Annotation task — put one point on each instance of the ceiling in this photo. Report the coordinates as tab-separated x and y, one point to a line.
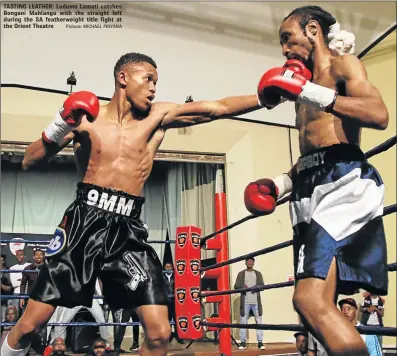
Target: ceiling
258	22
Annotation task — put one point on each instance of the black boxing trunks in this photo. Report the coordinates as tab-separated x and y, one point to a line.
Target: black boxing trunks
101	235
336	211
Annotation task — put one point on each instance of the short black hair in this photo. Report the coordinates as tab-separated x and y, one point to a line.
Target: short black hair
305	14
132	57
99	339
37	250
4	256
249	258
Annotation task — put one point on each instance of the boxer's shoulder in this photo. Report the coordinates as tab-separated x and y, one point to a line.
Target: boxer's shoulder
344	67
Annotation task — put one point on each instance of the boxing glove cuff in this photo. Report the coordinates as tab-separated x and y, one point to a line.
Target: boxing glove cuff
283	184
316	95
57	130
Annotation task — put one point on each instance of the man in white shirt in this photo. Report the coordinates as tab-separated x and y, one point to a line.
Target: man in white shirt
373	309
16	278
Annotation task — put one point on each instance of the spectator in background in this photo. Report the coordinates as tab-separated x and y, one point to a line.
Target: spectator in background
57	348
16	278
314	348
373	310
6	286
250	301
170	285
11	316
29	278
99	349
301	342
348	307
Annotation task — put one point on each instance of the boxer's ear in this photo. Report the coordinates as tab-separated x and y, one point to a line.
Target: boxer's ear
122	79
312	28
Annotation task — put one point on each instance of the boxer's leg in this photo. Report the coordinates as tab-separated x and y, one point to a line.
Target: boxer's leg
314	300
154	319
33	320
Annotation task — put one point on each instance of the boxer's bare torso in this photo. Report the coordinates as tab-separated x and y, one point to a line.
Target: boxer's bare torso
119	155
319	129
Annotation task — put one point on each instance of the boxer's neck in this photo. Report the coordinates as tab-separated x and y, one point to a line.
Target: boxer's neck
120	109
321	60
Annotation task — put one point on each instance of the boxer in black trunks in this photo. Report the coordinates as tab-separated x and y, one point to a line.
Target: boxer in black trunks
101	234
336	195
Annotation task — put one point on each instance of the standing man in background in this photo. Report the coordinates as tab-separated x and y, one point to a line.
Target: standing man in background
373	309
29	278
16	278
250	302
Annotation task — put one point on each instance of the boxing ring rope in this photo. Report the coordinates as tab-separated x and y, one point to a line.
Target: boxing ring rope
367	330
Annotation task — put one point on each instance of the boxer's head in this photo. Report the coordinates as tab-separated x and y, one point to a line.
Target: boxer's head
303	30
136	74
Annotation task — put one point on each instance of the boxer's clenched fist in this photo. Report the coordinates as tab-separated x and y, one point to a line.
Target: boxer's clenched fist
78	104
270	95
260	197
70	114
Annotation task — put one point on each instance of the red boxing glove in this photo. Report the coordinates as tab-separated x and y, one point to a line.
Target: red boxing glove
69	116
260	197
285	82
78	104
299	68
270	98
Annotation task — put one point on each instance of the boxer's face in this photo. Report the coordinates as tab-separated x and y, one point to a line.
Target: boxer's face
294	43
140	81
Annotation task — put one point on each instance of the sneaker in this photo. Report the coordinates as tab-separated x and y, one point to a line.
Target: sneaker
134	347
261	346
242	346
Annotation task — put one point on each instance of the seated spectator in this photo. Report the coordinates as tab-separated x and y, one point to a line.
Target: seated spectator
57	348
6	286
348	307
11	317
99	348
373	309
301	342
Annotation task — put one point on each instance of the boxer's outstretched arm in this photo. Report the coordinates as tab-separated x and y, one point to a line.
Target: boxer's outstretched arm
205	111
38	150
364	103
